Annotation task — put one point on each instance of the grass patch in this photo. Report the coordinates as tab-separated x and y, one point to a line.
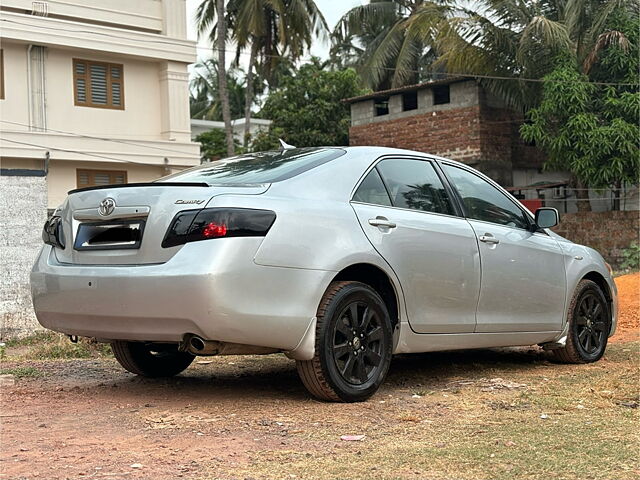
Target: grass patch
54	346
21	372
34	339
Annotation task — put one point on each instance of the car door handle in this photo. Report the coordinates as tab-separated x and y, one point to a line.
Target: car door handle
488	238
381	222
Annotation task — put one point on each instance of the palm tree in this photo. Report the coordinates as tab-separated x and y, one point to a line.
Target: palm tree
271	30
396	39
522	40
211	16
204	101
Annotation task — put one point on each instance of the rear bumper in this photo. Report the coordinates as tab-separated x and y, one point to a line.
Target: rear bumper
215	291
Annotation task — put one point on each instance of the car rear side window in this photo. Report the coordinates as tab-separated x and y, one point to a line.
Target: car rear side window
372	190
482	201
414	184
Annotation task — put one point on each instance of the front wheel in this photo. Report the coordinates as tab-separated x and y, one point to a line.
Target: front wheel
589	320
151	359
353	345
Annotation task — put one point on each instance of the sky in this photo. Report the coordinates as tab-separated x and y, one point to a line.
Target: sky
331	9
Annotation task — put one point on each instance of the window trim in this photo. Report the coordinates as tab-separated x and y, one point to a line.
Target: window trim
1	74
93	171
458	213
525	213
87	79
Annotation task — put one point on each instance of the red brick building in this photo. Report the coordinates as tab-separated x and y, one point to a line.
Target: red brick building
454	118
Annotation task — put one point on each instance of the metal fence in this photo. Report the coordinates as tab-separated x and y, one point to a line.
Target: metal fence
566	200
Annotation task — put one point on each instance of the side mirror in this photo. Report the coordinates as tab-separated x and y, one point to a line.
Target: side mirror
547	217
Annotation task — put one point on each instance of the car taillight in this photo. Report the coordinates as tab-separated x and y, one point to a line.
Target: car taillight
52	232
195	225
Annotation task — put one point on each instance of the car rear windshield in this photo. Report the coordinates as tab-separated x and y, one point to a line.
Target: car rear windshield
263	167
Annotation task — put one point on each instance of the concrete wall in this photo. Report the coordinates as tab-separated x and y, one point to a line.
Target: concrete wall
607	232
23	211
462	95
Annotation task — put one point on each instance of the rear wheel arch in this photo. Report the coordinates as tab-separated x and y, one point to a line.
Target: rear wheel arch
377	279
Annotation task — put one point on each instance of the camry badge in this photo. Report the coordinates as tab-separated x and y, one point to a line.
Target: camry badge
107	206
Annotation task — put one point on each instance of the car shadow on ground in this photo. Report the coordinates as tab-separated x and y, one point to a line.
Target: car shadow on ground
275	377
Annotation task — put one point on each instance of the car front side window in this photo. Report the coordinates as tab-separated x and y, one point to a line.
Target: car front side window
482	201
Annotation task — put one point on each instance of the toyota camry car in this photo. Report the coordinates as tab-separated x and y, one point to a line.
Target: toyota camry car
337	257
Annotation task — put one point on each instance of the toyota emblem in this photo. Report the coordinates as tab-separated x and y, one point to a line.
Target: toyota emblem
107	206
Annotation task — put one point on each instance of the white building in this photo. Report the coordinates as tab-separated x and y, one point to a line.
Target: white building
99	88
256	125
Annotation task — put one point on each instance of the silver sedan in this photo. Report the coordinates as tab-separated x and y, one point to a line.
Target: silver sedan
338	257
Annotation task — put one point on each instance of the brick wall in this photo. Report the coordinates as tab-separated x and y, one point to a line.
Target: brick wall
23	211
453	133
607	232
479	136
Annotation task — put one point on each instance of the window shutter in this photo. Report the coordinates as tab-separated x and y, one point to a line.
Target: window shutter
80	75
98	84
83	178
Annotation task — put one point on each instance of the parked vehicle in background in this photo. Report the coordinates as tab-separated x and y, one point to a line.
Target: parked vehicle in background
338	257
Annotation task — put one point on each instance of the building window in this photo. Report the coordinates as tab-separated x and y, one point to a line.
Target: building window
98	84
381	106
1	74
97	178
441	94
409	101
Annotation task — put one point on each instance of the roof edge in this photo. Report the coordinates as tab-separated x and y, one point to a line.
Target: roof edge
408	88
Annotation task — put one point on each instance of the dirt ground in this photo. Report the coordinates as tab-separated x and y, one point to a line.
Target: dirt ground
499	414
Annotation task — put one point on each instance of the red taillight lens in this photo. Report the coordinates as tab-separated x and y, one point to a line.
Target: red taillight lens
214	230
195	225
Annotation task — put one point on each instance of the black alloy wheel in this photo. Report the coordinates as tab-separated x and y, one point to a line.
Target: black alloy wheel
589	318
358	343
590	323
353	344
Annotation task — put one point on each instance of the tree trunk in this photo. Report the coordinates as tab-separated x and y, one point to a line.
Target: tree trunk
222	76
582	196
249	91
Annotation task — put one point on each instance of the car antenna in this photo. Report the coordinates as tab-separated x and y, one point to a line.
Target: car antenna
285	146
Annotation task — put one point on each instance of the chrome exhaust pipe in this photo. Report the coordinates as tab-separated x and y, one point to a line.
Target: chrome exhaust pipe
196	345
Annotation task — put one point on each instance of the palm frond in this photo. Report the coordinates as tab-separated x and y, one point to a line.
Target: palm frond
605	40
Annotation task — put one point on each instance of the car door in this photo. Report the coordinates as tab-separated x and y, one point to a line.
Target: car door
408	215
523	283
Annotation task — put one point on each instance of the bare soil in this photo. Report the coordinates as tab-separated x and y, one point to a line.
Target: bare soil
499	414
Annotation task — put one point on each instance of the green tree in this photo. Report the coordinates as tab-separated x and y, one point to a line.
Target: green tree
213	145
390	42
521	40
588	125
307	109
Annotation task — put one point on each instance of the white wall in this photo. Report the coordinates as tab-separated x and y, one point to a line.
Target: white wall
141	117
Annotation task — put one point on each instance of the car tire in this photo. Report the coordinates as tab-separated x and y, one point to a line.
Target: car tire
151	359
353	344
589	318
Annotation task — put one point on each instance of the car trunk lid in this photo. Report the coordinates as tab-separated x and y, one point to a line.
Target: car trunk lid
125	224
